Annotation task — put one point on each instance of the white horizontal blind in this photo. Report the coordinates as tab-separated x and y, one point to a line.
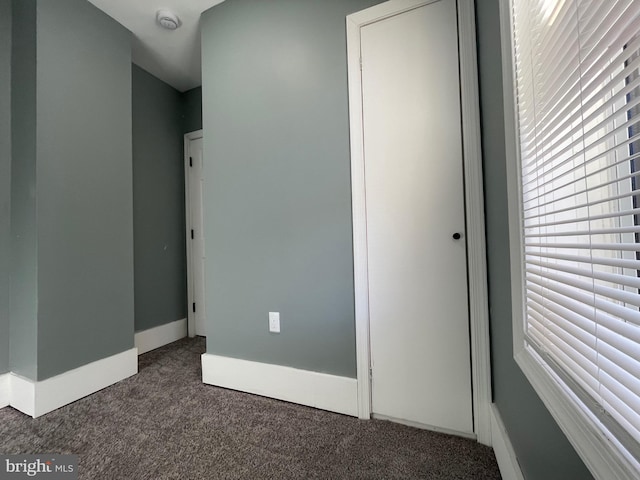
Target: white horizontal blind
578	99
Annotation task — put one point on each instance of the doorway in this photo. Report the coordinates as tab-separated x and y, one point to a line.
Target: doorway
194	179
422	337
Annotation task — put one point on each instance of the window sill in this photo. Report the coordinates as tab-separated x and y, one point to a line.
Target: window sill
600	456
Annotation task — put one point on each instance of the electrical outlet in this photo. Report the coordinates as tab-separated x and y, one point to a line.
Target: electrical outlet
274	322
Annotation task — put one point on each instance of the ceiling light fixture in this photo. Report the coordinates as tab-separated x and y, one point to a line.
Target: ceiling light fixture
167	19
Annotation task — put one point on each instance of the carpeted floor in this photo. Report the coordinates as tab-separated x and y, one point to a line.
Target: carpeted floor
164	423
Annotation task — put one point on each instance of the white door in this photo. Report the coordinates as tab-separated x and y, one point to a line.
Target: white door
419	324
195	233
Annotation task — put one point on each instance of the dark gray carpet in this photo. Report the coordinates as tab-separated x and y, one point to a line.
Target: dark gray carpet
164	423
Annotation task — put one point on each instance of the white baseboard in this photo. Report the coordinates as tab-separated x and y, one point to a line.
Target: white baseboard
319	390
502	448
38	398
156	337
4	389
22	394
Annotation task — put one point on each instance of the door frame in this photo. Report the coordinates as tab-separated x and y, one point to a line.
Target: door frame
473	200
191	319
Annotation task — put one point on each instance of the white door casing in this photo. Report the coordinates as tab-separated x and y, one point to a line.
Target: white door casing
473	198
194	179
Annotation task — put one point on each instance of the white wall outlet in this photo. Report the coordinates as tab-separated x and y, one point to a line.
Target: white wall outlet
274	322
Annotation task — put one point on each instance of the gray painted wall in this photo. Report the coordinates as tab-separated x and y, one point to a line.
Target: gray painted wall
192	110
5	178
84	170
542	449
72	229
277	182
23	284
158	202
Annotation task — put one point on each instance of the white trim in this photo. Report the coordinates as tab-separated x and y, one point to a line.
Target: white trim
156	337
382	11
474	203
4	389
502	448
513	175
314	389
191	321
475	231
358	204
22	394
38	398
596	451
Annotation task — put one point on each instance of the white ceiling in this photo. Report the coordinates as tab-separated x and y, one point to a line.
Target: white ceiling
172	56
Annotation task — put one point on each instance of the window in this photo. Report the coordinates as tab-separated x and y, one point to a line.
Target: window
573	82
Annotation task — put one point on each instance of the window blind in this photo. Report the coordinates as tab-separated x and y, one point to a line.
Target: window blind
578	107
